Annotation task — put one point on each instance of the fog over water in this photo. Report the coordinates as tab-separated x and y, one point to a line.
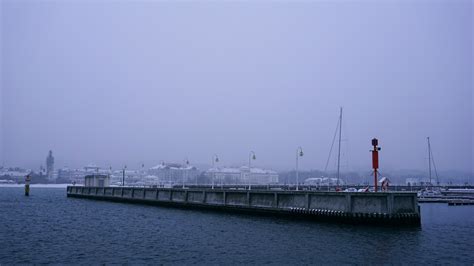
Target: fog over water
121	82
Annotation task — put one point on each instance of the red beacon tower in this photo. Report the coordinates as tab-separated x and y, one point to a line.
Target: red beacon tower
375	160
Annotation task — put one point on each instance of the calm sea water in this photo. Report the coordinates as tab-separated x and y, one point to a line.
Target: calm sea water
48	227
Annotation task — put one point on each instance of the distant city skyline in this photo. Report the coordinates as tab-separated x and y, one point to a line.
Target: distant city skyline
115	83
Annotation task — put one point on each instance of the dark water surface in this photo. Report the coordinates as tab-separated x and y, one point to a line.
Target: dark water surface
48	227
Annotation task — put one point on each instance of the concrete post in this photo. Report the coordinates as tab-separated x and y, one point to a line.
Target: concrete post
275	200
308	199
416	206
390	203
225	198
248	198
133	192
348	203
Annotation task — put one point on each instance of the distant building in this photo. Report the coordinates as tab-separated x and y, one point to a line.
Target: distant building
67	175
225	176
323	181
96	181
91	168
242	175
174	173
16	173
50	165
123	175
413	181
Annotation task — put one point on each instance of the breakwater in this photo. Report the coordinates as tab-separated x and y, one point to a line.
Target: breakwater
382	208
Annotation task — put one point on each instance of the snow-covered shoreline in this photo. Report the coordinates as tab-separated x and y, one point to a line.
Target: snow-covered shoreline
37	185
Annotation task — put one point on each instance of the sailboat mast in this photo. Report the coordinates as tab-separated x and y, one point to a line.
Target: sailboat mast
339	148
429	157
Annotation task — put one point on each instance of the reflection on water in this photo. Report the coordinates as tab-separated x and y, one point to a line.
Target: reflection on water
48	227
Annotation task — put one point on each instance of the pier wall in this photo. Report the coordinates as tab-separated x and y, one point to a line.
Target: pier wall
355	207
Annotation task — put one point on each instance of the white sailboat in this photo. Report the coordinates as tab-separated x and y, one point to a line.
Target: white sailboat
430	191
338	131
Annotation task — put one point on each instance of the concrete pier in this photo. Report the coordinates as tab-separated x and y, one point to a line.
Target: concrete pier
382	208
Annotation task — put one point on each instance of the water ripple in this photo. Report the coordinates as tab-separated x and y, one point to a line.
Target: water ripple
48	227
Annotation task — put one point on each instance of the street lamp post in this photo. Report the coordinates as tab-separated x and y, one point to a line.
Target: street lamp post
215	159
299	153
196	177
251	157
123	175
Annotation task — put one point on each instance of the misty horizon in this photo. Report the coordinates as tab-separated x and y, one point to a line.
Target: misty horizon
119	83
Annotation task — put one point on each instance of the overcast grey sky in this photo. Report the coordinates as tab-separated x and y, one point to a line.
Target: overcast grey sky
122	82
